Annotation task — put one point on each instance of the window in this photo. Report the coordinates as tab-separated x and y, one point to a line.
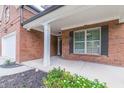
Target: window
79	39
6	15
87	41
93	41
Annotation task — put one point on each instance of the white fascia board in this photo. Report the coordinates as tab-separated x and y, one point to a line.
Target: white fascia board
31	10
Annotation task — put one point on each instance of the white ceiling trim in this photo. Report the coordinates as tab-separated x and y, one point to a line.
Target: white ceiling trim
43	31
121	15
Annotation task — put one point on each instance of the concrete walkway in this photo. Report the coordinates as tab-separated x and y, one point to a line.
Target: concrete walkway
10	71
112	75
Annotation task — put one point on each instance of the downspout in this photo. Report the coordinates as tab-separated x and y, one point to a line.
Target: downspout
21	14
18	33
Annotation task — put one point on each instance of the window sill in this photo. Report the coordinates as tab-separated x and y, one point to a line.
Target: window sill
97	55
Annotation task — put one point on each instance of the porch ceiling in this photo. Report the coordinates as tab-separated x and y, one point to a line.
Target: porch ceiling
80	15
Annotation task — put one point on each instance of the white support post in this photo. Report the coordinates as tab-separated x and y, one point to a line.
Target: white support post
46	59
58	49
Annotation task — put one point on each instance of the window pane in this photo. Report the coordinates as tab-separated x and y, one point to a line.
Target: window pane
79	47
79	36
93	47
96	47
89	47
93	34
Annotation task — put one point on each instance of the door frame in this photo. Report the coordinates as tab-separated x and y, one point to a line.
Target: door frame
59	38
3	38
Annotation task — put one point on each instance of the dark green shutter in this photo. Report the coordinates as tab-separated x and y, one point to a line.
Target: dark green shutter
104	40
71	42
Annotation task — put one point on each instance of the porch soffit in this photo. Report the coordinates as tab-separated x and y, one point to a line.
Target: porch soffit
80	16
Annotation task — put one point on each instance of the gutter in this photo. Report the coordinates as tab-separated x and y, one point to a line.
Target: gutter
21	14
34	8
48	10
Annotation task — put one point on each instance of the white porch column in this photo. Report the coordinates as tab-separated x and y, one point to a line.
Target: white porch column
58	49
46	59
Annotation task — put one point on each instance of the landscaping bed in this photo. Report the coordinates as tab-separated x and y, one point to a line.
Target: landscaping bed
59	78
12	65
26	79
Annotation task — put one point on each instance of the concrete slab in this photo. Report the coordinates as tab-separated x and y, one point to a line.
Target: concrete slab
10	71
112	75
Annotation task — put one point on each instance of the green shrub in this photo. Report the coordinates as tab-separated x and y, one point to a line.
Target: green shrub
7	62
59	78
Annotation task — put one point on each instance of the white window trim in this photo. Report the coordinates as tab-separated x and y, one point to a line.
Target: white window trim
85	42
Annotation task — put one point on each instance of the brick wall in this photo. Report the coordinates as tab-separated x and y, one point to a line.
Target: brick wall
13	25
29	45
53	45
116	45
32	45
27	14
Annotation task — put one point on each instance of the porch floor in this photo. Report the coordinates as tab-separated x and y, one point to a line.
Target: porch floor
112	75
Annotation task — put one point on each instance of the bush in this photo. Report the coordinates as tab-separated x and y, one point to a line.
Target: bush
7	62
59	78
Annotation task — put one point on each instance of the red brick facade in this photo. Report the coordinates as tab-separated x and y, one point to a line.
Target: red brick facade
32	45
13	24
115	50
29	45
